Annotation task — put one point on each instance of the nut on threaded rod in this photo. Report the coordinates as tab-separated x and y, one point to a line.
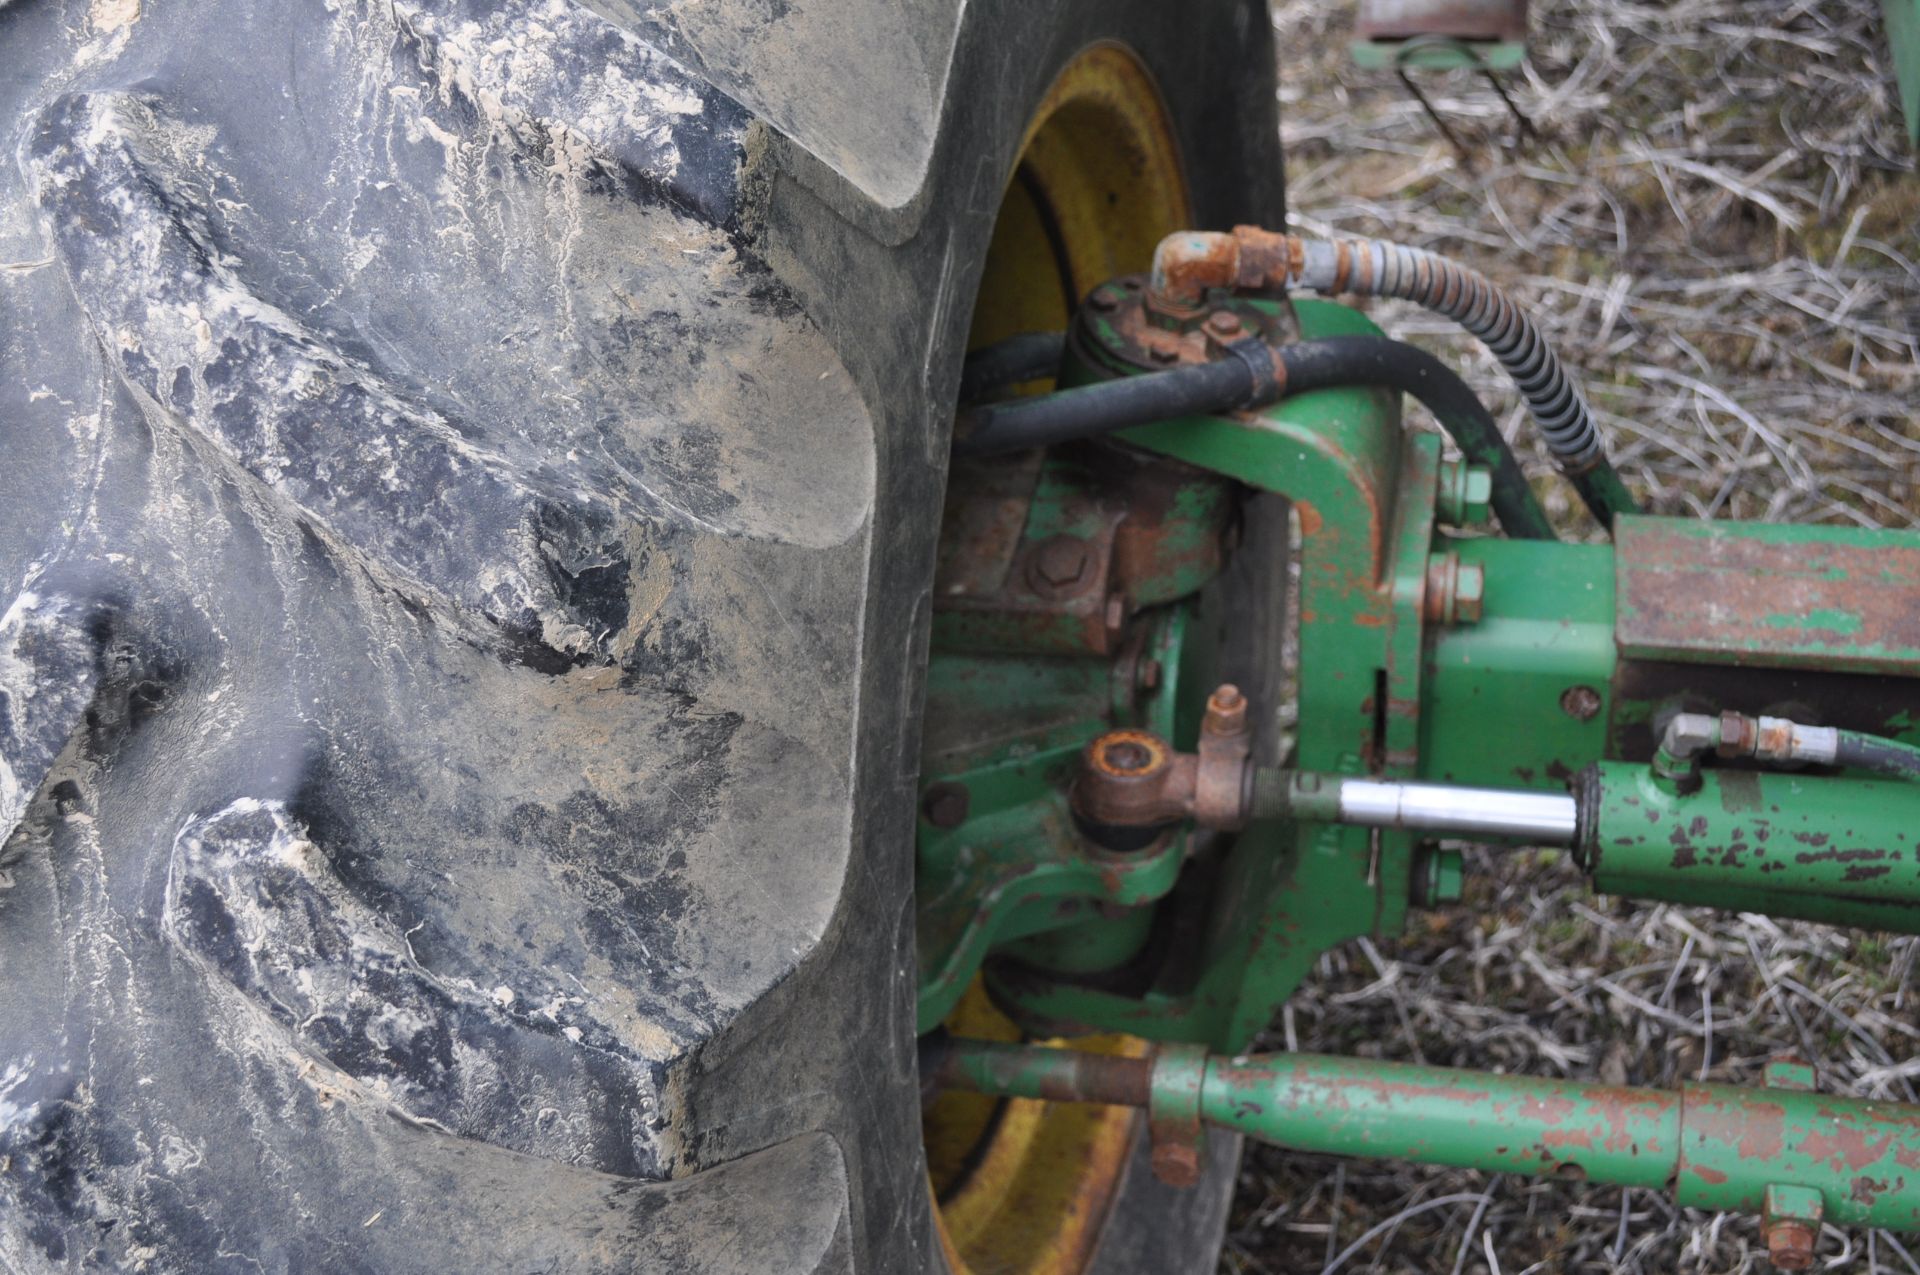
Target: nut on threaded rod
1226	711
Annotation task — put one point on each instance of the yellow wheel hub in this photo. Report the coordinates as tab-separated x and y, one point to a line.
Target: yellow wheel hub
1023	1187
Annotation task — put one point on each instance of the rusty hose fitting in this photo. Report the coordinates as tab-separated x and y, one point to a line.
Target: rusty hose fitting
1775	741
1188	263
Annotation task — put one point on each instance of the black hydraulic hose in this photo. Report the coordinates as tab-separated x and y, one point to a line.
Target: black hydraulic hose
1873	752
1196	389
1227	384
1341	361
1030	356
1187	263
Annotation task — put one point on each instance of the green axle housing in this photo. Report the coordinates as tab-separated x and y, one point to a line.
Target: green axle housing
1105	585
1100	586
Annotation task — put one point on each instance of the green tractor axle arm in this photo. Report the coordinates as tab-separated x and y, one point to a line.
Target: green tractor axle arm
1800	1156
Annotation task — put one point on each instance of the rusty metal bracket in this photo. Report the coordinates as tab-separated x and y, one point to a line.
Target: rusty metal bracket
1173	1114
1132	783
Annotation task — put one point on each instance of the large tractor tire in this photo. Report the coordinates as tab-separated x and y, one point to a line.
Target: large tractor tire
472	470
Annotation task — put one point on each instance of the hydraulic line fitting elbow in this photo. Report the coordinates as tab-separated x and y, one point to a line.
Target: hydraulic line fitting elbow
1773	741
1188	263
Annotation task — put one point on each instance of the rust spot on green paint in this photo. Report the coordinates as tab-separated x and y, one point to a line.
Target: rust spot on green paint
1866	1190
1846	1148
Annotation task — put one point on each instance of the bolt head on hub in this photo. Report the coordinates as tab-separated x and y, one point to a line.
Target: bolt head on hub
1059	563
1224	324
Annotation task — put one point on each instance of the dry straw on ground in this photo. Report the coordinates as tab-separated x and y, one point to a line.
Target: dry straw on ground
1720	228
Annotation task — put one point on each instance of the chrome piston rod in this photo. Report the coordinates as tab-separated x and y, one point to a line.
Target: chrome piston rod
1541	817
1486	812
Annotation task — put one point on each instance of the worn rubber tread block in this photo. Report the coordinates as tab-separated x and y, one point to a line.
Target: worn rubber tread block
50	663
519	521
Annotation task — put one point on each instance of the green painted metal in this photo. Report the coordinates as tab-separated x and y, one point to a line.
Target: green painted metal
1439	1115
1527	686
1491	55
1903	38
1364	492
1421	654
1840	850
1153	538
1015	873
1004	736
1839	599
1465	496
1715	1147
1440	876
1537	668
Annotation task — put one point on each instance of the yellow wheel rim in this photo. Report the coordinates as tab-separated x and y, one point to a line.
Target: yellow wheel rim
1099	184
1024	1187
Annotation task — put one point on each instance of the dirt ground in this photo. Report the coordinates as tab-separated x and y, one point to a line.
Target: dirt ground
1719	227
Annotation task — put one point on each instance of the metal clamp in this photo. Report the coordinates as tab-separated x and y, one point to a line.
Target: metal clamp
1173	1114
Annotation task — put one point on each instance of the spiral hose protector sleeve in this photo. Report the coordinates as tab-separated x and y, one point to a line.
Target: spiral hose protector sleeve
1882	756
1375	360
1374	267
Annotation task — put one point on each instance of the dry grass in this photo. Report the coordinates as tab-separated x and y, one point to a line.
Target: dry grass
1720	230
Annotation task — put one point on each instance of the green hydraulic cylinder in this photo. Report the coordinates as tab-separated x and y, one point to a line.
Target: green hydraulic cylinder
1837	850
1712	1146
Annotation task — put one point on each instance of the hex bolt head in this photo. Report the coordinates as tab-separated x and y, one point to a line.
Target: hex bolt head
1059	563
1791	1224
1456	590
1103	300
1465	495
1177	1164
1226	711
1478	496
1790	1245
1224	324
1469	593
1441	570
